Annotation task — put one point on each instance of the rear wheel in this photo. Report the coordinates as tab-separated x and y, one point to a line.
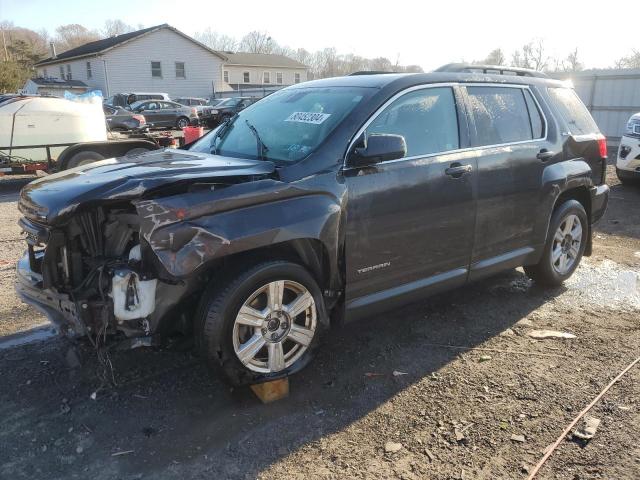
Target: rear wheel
566	241
182	122
83	158
261	324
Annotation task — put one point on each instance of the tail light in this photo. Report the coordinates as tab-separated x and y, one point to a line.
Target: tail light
140	119
602	146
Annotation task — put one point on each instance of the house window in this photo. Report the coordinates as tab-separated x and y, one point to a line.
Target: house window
69	76
245	77
61	72
225	76
156	70
266	77
297	78
180	70
89	73
279	78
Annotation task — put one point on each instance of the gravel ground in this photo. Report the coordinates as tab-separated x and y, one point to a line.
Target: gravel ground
456	413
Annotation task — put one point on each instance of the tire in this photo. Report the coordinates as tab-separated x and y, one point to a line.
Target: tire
554	268
136	151
83	158
182	122
283	344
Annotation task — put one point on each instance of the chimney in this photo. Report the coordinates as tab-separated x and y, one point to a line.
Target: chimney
53	50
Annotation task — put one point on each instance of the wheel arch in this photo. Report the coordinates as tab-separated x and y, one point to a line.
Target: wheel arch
108	149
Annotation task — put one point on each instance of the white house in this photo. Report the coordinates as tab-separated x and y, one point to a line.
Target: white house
253	70
163	59
156	59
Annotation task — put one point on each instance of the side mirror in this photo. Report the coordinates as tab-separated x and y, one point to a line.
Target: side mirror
378	147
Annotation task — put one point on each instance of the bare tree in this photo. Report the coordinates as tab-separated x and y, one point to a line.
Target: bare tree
257	42
217	41
73	35
571	63
539	57
630	61
495	57
115	27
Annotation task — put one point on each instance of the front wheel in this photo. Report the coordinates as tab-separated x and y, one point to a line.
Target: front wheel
262	324
563	250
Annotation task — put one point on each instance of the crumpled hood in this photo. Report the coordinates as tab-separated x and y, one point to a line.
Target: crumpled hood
51	198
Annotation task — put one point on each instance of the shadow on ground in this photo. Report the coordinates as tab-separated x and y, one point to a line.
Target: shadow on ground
169	418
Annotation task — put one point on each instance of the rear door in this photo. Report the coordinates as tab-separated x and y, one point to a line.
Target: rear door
509	133
410	221
152	113
169	113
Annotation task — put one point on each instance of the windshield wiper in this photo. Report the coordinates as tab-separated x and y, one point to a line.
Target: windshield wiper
224	126
262	148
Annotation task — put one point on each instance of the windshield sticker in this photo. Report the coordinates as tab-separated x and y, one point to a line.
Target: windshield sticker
308	117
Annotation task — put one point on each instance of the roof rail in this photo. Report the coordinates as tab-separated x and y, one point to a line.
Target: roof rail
368	72
491	69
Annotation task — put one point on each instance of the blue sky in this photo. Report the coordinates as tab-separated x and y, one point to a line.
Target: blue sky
427	33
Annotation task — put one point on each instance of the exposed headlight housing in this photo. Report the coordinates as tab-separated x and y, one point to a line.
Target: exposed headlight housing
633	127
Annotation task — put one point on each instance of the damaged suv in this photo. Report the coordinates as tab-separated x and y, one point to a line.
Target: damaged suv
329	200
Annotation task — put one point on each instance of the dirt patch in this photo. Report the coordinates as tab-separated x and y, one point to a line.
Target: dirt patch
473	396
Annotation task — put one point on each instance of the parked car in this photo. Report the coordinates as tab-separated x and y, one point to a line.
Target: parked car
327	201
166	114
125	99
200	104
228	107
628	160
119	119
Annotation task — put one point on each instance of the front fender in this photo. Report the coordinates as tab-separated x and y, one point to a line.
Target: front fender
184	246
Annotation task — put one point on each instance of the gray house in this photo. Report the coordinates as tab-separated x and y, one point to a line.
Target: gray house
163	59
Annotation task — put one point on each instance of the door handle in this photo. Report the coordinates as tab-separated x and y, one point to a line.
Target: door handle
457	170
545	154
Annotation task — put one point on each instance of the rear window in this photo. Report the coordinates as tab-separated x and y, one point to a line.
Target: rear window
501	115
573	111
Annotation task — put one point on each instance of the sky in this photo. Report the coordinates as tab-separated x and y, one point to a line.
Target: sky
429	34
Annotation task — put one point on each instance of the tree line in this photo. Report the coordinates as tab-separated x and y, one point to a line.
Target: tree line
21	48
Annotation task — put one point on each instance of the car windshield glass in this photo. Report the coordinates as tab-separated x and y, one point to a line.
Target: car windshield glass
291	124
135	105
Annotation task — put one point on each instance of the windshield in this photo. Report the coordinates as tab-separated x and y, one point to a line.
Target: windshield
135	105
290	124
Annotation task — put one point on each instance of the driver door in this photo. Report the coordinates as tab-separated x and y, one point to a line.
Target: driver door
410	222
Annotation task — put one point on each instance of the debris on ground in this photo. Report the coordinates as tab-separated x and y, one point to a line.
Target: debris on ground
397	373
392	447
587	429
518	438
542	334
484	358
373	374
124	452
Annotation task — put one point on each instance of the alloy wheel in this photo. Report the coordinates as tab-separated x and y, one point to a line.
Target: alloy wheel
565	248
275	326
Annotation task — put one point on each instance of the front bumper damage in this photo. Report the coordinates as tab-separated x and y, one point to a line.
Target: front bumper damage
58	308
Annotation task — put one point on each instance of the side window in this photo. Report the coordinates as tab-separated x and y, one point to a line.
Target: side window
425	118
537	122
573	111
500	115
151	106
